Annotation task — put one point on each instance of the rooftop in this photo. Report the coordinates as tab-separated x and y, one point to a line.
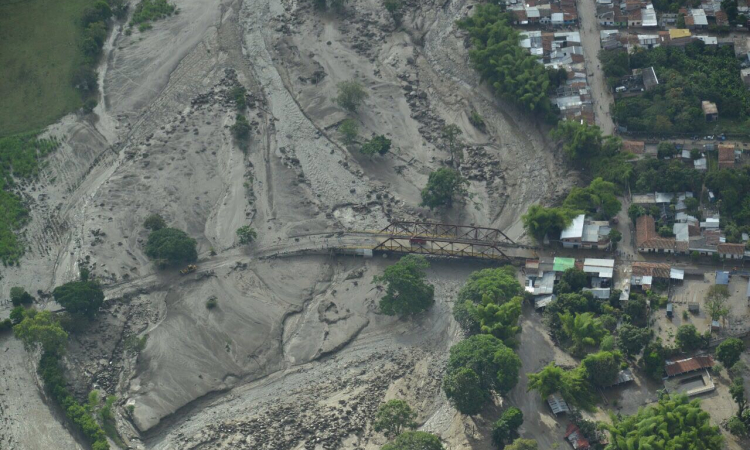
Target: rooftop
674	368
575	229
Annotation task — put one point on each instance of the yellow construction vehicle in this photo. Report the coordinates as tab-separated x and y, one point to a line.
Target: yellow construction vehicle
189	269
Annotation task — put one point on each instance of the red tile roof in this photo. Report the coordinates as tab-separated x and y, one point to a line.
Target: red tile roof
646	236
575	437
646	269
674	368
726	155
731	249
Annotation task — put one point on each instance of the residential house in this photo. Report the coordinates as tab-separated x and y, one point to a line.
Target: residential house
644	274
576	438
679	367
710	111
584	233
726	156
731	251
648	240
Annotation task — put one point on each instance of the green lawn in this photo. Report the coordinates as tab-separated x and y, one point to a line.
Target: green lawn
38	54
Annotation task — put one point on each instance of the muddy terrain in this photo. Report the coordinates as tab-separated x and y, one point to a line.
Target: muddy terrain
295	355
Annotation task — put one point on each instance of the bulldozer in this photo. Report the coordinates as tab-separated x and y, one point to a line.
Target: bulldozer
189	269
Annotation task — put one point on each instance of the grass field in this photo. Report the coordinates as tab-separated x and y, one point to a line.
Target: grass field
40	51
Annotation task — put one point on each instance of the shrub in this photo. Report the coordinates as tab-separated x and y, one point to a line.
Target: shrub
477	120
378	144
212	303
246	234
349	131
239	95
350	96
151	10
154	222
19	296
241	128
393	417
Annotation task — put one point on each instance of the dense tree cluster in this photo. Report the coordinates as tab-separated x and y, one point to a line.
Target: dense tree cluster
82	298
407	293
655	175
673	423
170	245
572	385
414	440
514	73
686	77
478	367
490	303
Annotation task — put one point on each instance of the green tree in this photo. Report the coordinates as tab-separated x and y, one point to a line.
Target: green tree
407	293
514	74
673	423
729	351
737	427
636	211
653	358
666	150
491	286
377	145
349	130
442	187
580	140
414	440
572	385
19	296
82	298
716	301
17	314
465	391
246	234
523	444
602	368
489	302
687	338
170	245
239	95
540	221
572	281
495	366
39	329
500	321
632	339
615	236
583	330
393	417
451	134
681	21
154	222
505	429
636	309
351	94
241	128
599	198
737	391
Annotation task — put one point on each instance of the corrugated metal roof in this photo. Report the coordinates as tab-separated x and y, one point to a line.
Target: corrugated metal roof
722	277
563	264
674	368
557	404
575	230
677	274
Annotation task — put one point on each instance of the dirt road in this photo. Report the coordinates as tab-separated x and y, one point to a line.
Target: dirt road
602	96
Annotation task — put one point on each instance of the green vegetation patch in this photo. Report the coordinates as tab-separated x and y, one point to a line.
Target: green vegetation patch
150	10
40	53
20	158
685	79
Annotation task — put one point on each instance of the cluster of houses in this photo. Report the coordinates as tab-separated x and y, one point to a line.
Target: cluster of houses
563	50
550	13
689	235
541	276
641	14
